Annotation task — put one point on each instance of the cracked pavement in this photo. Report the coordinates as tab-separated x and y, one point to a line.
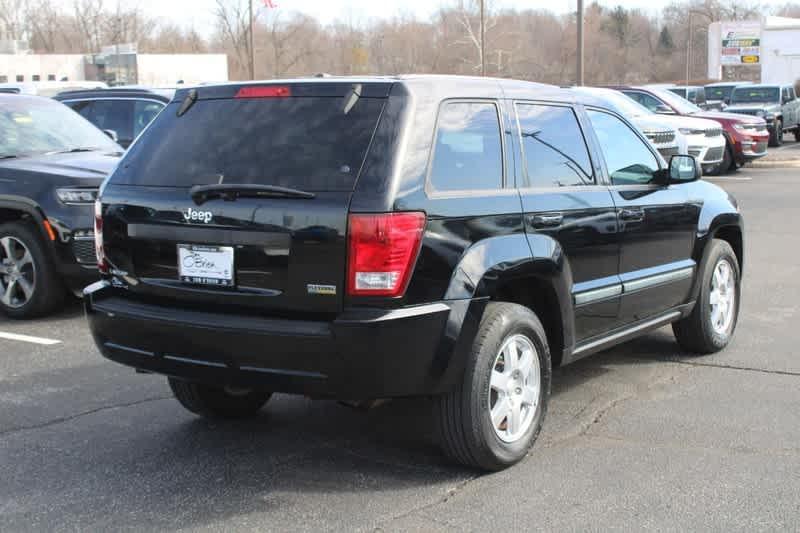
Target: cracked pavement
638	437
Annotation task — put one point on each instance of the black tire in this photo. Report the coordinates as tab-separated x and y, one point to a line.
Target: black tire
40	274
728	161
216	402
776	139
695	333
797	134
466	432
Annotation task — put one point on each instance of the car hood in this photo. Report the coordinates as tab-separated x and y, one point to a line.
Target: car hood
680	121
735	111
653	123
79	165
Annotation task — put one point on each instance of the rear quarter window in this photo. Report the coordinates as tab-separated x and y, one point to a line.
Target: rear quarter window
468	153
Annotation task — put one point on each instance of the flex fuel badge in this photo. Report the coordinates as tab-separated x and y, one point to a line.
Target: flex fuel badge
324	290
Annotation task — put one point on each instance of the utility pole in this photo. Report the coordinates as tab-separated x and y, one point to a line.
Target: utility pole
580	44
483	38
689	49
252	42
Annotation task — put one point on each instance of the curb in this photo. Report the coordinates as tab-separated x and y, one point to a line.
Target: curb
785	163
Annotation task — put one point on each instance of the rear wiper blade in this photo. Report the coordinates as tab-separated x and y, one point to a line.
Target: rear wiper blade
9	156
231	191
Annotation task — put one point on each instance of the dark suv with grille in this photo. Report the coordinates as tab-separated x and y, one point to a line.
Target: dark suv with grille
390	237
52	163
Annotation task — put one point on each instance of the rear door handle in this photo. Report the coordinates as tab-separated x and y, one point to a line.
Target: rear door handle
547	221
632	215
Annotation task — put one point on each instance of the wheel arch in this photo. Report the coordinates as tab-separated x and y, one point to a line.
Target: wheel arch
13	209
504	268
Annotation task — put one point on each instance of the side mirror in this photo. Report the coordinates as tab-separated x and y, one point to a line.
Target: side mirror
664	110
683	169
111	135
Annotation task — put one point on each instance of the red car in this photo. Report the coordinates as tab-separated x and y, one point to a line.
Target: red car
746	136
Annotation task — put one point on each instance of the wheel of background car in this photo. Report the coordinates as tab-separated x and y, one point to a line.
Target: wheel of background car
29	285
710	326
494	415
797	135
777	139
218	402
728	163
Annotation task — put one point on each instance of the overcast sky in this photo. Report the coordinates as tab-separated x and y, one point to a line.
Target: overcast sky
199	13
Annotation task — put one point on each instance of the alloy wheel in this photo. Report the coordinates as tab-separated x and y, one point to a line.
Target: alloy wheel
514	388
722	298
17	273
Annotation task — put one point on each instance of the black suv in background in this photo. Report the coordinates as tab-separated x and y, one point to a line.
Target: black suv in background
123	112
389	237
51	165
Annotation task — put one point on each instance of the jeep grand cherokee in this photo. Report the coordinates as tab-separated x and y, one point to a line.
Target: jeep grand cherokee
389	237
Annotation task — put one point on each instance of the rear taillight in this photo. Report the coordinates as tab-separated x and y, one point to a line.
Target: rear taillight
264	91
102	265
382	250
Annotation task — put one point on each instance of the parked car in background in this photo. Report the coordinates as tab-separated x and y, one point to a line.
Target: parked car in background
745	137
718	95
694	93
662	132
52	162
124	111
434	236
777	104
49	88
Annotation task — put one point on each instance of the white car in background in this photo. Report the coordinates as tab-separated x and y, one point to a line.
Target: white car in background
662	134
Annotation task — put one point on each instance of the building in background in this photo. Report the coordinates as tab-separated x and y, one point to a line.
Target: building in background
115	65
767	50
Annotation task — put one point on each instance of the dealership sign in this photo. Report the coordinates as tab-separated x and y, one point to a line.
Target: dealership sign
741	43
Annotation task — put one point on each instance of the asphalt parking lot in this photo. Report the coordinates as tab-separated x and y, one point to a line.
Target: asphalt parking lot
639	437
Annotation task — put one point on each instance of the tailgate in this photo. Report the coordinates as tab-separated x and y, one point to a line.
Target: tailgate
292	154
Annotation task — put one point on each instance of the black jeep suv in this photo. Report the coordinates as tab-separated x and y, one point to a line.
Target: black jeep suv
52	163
387	237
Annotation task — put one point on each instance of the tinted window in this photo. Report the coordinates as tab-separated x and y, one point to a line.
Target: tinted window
114	115
144	112
750	95
628	159
554	148
308	143
38	125
644	99
468	153
700	96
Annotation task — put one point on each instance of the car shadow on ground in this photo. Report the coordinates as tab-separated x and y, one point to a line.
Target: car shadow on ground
150	458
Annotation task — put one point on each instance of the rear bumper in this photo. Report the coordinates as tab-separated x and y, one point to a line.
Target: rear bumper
365	353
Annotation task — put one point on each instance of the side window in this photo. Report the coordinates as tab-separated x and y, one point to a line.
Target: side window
646	100
144	112
701	96
114	115
469	152
554	147
628	159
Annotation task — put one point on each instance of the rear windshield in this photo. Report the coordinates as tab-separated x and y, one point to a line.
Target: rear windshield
307	143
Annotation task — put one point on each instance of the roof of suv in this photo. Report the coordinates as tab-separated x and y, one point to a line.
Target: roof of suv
431	85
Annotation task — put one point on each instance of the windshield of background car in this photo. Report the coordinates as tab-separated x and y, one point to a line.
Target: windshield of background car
684	106
718	93
620	103
35	126
307	143
755	95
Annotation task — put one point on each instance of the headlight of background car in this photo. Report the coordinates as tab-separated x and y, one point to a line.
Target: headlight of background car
741	127
691	131
77	196
759	113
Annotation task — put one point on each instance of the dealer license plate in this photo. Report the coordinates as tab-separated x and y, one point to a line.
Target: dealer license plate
206	265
